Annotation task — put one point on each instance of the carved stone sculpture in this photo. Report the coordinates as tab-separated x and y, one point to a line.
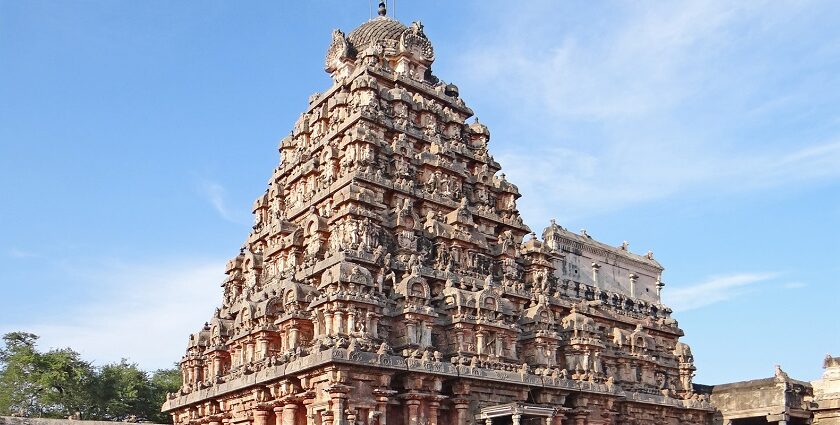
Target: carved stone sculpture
386	279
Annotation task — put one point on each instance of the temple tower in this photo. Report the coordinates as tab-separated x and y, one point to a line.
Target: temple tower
389	278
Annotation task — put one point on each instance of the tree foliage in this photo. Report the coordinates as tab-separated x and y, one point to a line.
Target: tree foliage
59	383
20	364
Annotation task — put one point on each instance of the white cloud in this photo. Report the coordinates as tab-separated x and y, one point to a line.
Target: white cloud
142	312
655	101
821	160
715	290
643	65
795	285
215	194
585	184
20	253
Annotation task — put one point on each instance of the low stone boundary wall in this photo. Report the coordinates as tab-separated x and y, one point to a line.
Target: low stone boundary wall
12	420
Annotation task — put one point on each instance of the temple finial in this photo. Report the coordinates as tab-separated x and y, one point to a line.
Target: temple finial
382	9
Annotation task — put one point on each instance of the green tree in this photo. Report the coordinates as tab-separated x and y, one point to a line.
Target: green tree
124	392
53	384
66	385
164	381
59	383
19	361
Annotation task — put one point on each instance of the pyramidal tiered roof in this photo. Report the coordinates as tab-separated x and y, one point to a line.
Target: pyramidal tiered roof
386	277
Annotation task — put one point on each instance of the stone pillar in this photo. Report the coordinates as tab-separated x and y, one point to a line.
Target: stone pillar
217	365
293	338
338	322
328	323
633	277
410	333
412	411
427	335
659	286
278	415
327	417
249	348
289	413
351	322
558	417
595	279
265	344
338	396
462	405
373	330
434	406
382	398
368	323
580	419
310	411
479	343
260	417
258	349
515	418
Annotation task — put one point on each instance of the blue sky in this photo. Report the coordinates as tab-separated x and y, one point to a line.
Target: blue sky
134	137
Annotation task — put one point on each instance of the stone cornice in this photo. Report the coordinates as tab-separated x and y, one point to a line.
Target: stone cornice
337	356
617	257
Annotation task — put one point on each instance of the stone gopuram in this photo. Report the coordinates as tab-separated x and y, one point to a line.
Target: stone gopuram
389	279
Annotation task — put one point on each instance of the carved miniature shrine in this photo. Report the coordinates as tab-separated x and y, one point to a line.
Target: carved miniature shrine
389	278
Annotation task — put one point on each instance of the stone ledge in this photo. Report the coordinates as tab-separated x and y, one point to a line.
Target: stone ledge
386	361
14	420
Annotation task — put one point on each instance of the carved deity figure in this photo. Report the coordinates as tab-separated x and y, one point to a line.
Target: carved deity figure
506	240
432	183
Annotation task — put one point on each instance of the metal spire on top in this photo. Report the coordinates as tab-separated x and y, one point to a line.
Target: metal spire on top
382	9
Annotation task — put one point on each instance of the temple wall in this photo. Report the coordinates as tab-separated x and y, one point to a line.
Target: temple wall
389	278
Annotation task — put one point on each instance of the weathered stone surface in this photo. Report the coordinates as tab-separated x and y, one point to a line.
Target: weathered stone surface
775	399
826	405
389	277
779	399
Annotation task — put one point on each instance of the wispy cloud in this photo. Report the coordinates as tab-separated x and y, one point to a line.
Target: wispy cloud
20	253
216	196
656	101
644	63
142	312
599	183
715	290
795	285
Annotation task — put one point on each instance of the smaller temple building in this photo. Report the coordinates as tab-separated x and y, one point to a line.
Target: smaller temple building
779	400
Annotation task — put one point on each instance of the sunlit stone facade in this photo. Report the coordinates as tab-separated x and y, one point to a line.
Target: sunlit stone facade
389	278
